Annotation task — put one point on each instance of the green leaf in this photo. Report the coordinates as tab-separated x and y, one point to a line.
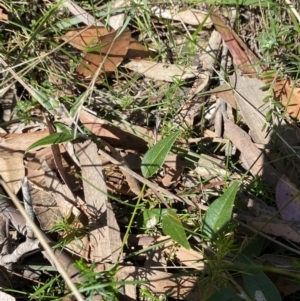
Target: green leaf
62	127
153	216
45	101
55	138
172	226
155	156
257	284
224	294
219	213
77	105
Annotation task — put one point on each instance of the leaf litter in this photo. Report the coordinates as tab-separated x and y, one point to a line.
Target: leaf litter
90	188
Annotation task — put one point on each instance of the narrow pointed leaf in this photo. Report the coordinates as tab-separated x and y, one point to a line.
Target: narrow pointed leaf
219	213
172	226
155	156
55	138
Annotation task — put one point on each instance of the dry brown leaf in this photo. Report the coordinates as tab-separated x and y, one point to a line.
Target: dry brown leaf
110	49
170	176
110	56
132	182
105	233
12	169
289	95
250	99
123	137
277	229
242	55
160	71
188	16
190	258
226	94
35	173
137	50
3	17
20	142
252	157
89	37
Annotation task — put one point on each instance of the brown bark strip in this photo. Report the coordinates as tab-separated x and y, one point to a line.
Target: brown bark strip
105	233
